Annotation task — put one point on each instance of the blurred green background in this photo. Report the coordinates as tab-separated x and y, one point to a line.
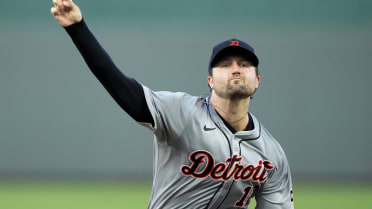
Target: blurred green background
109	195
64	143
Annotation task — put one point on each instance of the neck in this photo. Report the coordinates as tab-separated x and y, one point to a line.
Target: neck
235	112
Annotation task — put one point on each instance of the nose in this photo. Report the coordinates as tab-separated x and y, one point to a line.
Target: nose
235	67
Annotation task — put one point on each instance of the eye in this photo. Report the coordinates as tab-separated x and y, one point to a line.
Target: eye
245	64
223	64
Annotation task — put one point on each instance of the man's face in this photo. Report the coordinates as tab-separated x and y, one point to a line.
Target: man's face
233	77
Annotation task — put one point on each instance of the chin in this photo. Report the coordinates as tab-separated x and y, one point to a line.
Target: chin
239	94
234	92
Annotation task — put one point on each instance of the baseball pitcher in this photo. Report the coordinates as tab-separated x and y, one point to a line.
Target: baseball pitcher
209	152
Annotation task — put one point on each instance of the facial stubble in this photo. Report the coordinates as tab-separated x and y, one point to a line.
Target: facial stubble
234	91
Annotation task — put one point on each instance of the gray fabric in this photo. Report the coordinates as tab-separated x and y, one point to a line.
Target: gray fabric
187	125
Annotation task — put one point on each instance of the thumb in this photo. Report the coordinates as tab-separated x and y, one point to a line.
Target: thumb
67	3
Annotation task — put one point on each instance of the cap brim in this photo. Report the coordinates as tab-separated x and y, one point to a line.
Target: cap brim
235	50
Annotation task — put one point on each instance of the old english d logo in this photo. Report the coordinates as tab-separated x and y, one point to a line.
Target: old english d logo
234	43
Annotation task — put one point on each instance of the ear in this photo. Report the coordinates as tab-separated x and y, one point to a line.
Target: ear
210	82
258	78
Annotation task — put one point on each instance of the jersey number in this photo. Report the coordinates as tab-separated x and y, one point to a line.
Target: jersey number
244	200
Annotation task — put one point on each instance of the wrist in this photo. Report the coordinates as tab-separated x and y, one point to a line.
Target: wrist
75	27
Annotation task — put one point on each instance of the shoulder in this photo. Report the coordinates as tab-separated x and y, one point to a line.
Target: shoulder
271	141
174	100
271	146
168	94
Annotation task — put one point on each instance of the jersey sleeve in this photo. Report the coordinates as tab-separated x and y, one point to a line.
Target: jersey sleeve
170	111
276	192
126	91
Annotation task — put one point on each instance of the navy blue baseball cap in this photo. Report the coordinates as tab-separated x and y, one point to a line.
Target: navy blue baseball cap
233	46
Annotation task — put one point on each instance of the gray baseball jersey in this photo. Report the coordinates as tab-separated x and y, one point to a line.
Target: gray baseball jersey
200	164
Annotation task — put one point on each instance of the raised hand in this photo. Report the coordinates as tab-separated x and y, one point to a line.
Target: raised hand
66	12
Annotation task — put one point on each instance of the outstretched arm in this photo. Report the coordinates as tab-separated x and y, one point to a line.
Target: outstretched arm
126	91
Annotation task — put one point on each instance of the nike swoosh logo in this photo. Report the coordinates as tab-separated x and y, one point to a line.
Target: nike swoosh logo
208	129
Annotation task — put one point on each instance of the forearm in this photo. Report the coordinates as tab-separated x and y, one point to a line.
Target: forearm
126	91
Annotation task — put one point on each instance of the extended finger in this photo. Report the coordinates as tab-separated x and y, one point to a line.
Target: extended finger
59	4
54	11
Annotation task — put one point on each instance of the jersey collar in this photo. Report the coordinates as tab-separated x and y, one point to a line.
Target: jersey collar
244	135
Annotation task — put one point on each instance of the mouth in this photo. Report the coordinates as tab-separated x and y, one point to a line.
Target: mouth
236	78
236	81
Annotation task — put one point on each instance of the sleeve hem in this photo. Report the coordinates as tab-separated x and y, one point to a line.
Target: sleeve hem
76	27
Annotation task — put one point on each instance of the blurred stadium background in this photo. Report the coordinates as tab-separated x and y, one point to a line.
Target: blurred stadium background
64	143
